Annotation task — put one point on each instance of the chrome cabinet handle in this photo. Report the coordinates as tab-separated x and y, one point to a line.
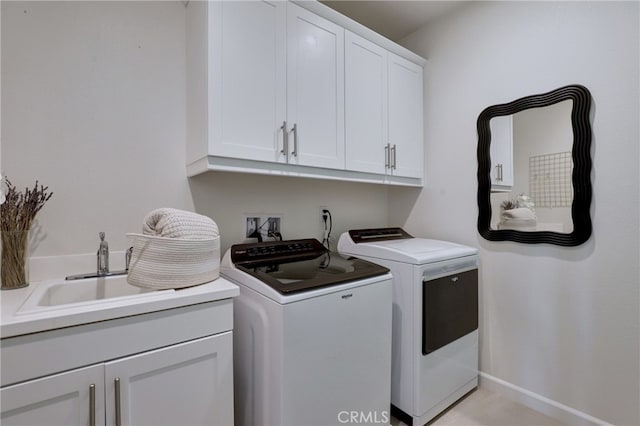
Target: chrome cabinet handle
285	141
116	382
393	156
294	153
92	405
499	173
386	156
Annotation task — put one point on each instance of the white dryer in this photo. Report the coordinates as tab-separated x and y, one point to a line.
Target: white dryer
435	317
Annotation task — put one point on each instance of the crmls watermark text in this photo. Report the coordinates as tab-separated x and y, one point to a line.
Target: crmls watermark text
364	417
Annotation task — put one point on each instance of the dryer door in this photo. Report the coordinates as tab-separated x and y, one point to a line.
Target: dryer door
449	309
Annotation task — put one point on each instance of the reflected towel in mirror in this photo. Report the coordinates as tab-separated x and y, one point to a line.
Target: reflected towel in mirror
522	219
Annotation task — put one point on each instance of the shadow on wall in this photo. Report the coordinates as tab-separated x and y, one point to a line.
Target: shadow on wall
226	197
402	201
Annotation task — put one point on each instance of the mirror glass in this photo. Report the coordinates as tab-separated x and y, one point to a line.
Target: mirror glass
539	193
534	168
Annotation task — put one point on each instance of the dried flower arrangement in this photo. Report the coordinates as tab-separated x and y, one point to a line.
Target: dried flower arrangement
508	205
519	202
17	213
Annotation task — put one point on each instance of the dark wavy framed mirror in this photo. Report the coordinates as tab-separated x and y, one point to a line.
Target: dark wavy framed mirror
534	169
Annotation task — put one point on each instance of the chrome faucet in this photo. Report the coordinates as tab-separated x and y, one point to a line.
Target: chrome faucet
102	259
103	256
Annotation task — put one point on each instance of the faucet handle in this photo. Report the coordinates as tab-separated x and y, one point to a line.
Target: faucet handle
127	258
103	256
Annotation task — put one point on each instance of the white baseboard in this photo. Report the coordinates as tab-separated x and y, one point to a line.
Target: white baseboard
537	402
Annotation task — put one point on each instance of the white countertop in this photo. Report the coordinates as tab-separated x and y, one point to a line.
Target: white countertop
15	323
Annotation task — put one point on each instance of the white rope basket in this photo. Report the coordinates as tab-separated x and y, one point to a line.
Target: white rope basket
163	263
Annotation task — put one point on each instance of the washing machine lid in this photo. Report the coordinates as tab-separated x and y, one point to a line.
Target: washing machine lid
299	265
396	245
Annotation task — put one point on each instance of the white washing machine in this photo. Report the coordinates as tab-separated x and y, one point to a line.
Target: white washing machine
312	335
435	317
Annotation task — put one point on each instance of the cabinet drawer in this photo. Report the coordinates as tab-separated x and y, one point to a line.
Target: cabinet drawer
35	355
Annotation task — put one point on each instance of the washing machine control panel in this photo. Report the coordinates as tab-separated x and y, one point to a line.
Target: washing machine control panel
273	251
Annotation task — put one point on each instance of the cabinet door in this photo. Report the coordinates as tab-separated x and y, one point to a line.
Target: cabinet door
501	151
315	89
365	105
248	79
72	398
186	384
405	117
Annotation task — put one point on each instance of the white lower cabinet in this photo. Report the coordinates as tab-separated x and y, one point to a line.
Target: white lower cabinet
61	399
167	367
185	384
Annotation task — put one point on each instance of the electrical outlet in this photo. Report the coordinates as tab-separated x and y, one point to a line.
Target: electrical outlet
326	225
273	226
252	224
323	214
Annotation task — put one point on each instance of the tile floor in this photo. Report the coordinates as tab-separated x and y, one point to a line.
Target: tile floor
485	408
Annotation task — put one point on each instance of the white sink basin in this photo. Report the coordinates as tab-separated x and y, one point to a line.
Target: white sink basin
63	294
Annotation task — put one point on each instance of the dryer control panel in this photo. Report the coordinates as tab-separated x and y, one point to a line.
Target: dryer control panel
377	234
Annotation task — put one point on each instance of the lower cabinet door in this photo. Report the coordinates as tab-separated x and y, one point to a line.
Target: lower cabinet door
185	384
71	398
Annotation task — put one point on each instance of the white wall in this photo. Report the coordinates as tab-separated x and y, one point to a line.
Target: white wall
94	107
227	196
557	323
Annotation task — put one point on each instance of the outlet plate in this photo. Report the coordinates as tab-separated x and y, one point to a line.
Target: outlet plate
265	224
324	226
322	208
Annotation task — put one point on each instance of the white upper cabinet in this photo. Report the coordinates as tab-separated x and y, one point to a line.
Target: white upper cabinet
248	78
383	104
266	94
276	84
366	103
501	151
405	117
315	89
